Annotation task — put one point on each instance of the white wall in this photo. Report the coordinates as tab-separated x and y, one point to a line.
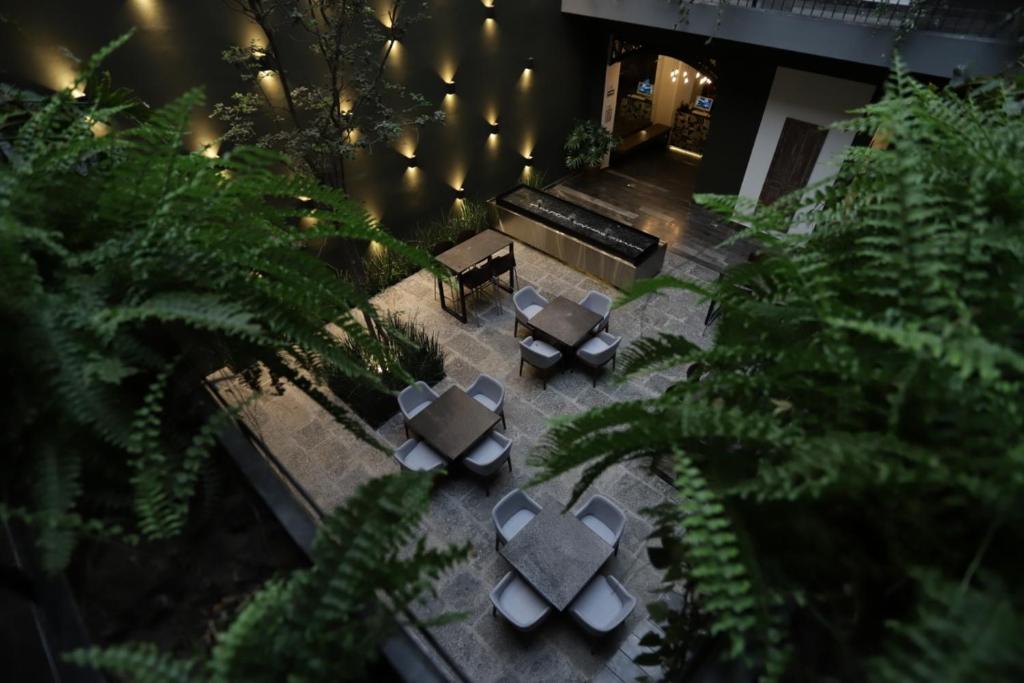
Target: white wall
668	95
807	97
611	90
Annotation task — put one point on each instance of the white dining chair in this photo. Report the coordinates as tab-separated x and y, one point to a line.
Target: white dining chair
528	303
597	351
493	451
602	605
604	518
521	606
413	399
600	304
416	456
540	355
489	393
511	514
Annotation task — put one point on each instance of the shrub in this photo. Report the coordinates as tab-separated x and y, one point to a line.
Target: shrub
587	145
383	268
471	216
404	345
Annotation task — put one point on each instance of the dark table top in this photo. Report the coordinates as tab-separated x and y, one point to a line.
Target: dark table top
453	423
565	321
557	554
474	250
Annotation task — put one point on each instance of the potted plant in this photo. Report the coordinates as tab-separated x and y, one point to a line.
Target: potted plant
587	145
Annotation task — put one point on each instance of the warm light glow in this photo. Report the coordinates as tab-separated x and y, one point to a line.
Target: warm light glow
376	247
148	13
680	150
395	53
526	78
98	128
303	198
308	222
271	85
204	137
56	70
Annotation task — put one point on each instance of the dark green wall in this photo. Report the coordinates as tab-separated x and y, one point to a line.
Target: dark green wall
179	43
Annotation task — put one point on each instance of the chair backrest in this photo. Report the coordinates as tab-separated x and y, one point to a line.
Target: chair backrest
415	394
596	302
627	599
476	277
528	296
610	340
514	501
402	452
503	264
605	510
489	387
536	352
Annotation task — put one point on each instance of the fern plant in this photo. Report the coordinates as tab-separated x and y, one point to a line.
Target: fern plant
133	269
849	453
319	624
587	145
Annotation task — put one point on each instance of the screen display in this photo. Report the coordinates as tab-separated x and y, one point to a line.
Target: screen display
704	103
645	87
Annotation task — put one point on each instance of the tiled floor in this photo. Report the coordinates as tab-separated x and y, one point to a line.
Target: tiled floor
329	463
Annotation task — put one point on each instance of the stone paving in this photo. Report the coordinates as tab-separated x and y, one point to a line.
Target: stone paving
330	463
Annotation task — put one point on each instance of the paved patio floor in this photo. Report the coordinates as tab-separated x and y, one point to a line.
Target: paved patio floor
329	463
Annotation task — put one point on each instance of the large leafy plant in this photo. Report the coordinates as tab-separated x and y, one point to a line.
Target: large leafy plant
587	145
131	270
850	454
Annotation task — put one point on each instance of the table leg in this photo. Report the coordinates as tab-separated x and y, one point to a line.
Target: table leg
462	298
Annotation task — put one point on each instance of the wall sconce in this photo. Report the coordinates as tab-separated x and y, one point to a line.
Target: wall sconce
495	128
411	162
528	160
529	63
489	11
449	87
460	193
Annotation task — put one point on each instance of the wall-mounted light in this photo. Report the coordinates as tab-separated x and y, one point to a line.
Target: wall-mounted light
495	128
449	88
529	63
411	162
528	160
489	12
460	193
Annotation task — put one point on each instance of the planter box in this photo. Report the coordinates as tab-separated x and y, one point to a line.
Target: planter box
597	245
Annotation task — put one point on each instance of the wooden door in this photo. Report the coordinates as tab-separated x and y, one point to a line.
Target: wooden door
794	159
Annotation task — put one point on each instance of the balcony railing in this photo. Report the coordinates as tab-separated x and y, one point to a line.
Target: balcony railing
946	17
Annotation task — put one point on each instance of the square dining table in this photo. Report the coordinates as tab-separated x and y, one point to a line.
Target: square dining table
454	423
557	554
565	322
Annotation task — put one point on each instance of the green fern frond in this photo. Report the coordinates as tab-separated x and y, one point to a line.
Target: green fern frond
136	663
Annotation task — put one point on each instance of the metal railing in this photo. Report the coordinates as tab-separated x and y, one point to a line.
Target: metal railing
964	17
